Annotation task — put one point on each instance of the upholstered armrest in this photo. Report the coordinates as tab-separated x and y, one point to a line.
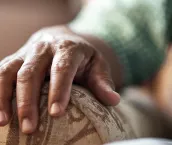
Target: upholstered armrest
86	122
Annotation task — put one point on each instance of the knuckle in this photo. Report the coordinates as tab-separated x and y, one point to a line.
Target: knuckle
8	57
23	103
105	77
4	70
24	108
65	45
55	91
38	45
69	48
19	59
26	73
11	66
108	81
61	66
40	48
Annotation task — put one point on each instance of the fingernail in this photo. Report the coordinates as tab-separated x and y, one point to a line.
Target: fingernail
55	109
116	94
2	117
27	126
116	98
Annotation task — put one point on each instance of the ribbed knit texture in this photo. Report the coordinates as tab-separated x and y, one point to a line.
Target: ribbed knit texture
134	29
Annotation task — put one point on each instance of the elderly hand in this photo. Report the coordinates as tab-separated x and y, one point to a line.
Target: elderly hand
63	55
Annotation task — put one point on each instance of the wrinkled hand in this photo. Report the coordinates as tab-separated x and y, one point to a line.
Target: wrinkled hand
64	56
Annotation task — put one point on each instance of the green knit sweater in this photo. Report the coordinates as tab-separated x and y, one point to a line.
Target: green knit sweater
134	29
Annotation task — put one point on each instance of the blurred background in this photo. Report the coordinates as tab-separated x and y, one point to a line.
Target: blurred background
19	19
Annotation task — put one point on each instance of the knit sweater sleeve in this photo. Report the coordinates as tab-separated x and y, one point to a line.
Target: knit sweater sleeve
135	30
168	13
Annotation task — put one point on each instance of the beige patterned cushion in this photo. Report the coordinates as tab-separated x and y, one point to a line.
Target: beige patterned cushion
86	122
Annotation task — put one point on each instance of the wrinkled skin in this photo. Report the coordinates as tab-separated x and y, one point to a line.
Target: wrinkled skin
65	57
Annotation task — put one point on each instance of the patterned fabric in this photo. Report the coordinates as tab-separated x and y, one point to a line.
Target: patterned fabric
86	122
135	29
